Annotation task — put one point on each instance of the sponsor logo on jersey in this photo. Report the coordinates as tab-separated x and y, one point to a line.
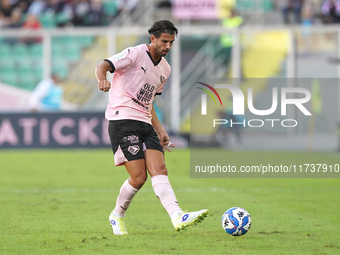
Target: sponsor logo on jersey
134	149
146	93
121	55
137	102
144	69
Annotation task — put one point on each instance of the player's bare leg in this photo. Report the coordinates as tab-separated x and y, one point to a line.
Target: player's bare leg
138	176
137	172
160	182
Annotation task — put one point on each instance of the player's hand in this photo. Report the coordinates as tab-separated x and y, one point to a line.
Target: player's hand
167	145
165	141
104	85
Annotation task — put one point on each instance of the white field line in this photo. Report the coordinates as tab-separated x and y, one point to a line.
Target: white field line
178	190
94	190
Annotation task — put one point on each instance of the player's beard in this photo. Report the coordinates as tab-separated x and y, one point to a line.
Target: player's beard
164	53
161	51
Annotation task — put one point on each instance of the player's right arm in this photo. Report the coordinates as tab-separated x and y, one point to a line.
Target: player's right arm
101	69
119	62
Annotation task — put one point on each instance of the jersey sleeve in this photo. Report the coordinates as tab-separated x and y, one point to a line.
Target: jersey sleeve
121	61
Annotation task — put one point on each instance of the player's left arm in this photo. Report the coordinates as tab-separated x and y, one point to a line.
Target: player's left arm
163	135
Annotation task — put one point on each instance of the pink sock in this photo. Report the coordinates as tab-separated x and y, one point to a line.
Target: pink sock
163	190
126	194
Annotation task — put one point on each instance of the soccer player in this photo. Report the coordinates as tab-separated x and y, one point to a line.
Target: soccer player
137	137
47	95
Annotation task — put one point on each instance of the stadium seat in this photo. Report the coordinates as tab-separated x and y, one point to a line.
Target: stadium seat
110	8
61	71
37	69
5	51
73	52
36	51
267	5
28	81
7	66
61	67
58	61
20	51
47	20
10	78
58	49
250	5
61	40
61	18
84	41
25	67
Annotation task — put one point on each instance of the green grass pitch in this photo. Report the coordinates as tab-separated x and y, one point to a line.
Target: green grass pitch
58	202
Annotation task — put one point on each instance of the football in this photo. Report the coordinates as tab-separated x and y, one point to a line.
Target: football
236	221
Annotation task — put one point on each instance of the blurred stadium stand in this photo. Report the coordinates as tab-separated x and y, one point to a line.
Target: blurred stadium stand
263	47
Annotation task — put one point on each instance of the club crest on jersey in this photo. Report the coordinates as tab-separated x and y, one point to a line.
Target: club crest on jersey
162	78
134	149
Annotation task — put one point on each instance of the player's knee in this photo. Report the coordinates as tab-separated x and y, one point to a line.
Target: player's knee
138	181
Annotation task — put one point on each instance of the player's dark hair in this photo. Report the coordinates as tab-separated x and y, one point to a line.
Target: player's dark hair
163	26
